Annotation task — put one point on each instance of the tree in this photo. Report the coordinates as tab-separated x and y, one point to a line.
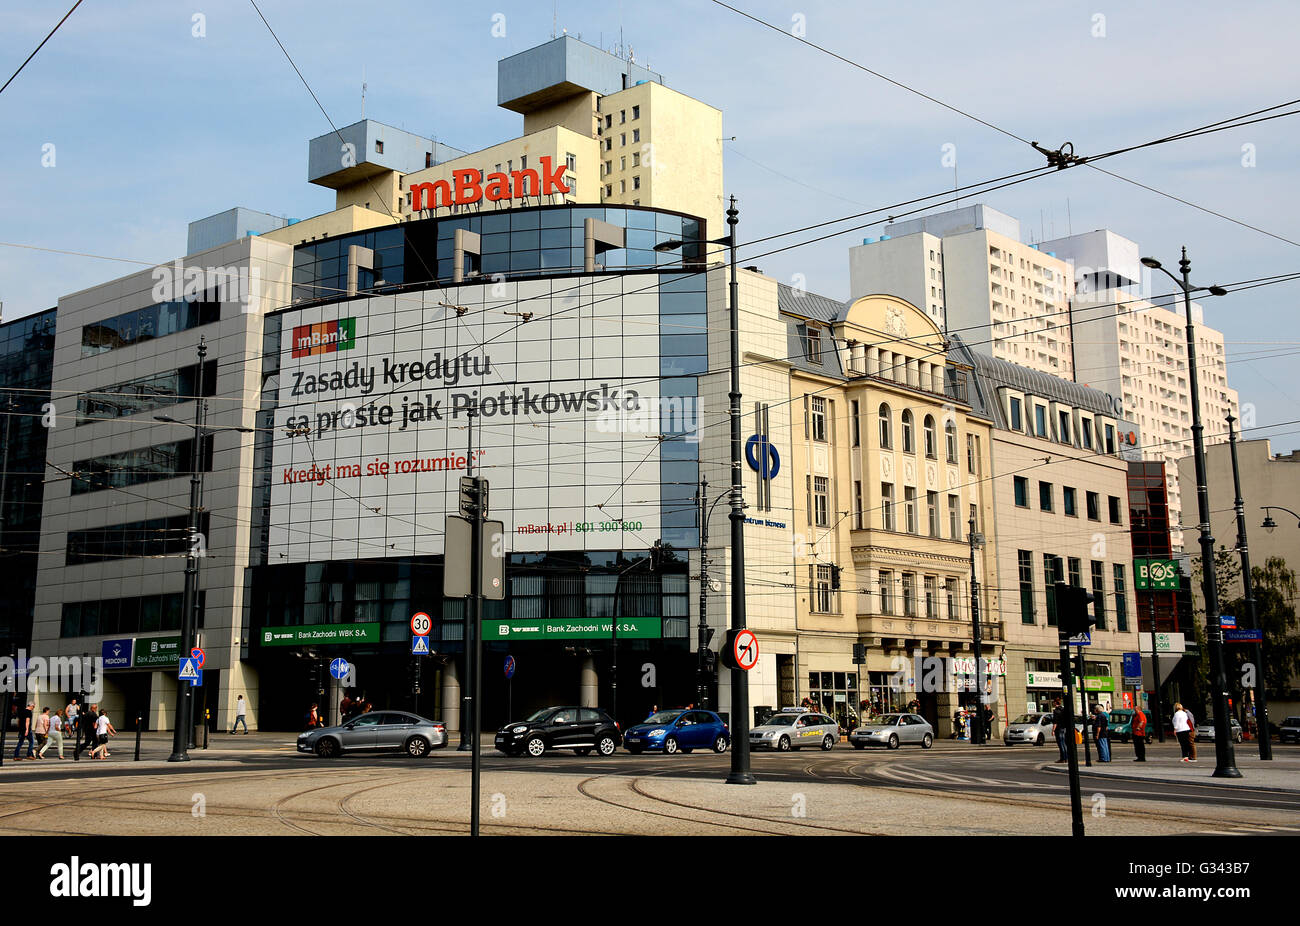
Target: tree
1275	597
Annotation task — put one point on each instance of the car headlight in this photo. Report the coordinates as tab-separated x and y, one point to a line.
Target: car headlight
519	729
659	732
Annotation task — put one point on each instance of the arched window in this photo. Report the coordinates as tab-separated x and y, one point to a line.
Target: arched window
909	443
931	439
886	428
950	435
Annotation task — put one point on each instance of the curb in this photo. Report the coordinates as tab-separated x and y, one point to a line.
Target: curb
1057	769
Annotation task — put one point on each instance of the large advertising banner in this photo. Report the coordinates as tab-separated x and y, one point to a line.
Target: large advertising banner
375	398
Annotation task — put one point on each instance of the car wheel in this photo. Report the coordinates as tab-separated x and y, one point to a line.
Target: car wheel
535	746
605	746
828	742
1039	741
927	742
783	744
327	748
670	746
417	747
720	744
893	741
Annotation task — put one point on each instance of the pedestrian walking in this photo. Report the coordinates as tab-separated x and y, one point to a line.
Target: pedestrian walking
1183	730
313	717
988	723
1191	729
1139	735
42	732
345	708
26	731
1058	728
103	730
70	717
55	735
1101	730
85	731
241	715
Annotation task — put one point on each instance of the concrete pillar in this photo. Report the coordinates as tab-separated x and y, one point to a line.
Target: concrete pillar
873	361
588	684
937	370
912	377
450	700
923	374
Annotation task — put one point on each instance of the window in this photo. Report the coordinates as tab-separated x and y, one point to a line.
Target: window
636	135
1114	510
636	112
886	428
154	321
950	438
622	116
821	501
523	162
1094	506
819	419
609	144
161	390
932	509
1025	564
609	168
147	464
1121	604
1069	501
857	505
622	186
909	445
1099	594
571	162
821	582
622	163
1052	573
636	183
1085	432
931	438
950	589
1044	496
622	139
609	189
1076	572
379	147
809	498
813	343
1017	422
1040	420
609	121
909	508
931	597
973	454
857	424
886	585
1110	439
1063	435
1022	491
954	517
636	159
909	594
887	505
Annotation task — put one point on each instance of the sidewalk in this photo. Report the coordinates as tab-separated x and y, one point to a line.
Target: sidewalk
1281	773
155	747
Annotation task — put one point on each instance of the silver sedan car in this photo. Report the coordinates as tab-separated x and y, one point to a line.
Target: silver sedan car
794	729
376	731
893	730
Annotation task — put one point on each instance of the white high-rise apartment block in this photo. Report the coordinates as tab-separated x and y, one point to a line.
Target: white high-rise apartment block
972	273
1136	349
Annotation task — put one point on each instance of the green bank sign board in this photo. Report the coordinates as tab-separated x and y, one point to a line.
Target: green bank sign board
629	628
321	634
157	651
1156	574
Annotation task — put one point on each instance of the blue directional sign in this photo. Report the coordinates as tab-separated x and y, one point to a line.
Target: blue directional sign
1243	636
339	668
419	646
1227	622
117	653
1133	665
510	667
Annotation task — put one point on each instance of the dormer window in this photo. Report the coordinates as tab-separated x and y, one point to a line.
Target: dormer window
813	343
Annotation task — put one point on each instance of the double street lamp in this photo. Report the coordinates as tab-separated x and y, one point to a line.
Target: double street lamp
189	602
1225	759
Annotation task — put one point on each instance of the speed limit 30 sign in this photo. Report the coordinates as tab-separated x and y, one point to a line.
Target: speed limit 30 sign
421	624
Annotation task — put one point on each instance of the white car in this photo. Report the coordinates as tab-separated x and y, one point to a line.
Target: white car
893	730
1035	729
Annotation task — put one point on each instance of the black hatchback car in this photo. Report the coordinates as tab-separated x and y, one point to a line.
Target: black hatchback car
581	729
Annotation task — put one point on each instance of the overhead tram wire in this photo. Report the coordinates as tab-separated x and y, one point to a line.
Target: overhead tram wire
40	46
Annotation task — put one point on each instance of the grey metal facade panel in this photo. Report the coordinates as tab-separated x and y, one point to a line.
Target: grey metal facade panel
990	373
568	64
808	305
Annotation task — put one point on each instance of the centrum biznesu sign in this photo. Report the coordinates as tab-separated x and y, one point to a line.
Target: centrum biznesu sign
467	186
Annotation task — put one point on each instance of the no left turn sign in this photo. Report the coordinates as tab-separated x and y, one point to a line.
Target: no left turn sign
746	650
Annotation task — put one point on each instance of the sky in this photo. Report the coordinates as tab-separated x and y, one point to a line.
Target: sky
137	118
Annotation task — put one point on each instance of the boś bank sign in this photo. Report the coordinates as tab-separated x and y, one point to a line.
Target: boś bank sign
467	186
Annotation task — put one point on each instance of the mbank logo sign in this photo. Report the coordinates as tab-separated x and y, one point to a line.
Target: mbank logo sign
324	337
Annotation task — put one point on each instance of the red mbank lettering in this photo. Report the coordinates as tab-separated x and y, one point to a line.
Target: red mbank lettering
467	186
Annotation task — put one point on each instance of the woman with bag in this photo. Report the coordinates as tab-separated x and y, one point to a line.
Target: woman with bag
55	735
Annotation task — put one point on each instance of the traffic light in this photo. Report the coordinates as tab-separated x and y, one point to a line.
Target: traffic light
859	654
1072	615
835	577
473	496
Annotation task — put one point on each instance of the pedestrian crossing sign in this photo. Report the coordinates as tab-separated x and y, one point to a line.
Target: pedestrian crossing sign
188	673
419	646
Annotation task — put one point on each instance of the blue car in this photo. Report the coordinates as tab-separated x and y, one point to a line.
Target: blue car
678	731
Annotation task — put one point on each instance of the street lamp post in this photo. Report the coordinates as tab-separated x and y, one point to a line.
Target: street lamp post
1225	759
977	728
1248	587
702	680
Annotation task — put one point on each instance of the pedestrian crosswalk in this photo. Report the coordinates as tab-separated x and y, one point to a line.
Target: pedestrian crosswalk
911	775
1252	829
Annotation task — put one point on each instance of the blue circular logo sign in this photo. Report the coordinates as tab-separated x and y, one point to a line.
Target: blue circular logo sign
762	457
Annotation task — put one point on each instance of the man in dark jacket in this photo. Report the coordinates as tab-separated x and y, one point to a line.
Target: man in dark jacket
26	732
1101	728
1058	728
86	730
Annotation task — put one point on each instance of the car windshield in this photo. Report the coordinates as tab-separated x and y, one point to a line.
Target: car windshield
1027	718
1291	722
543	714
663	717
887	720
780	720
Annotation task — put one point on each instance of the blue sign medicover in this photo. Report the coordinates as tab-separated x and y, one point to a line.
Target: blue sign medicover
117	653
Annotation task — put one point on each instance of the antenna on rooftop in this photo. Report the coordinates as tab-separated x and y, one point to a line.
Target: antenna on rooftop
363	91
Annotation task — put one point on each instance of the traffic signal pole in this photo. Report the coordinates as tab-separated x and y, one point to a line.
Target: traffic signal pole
474	646
1071	752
